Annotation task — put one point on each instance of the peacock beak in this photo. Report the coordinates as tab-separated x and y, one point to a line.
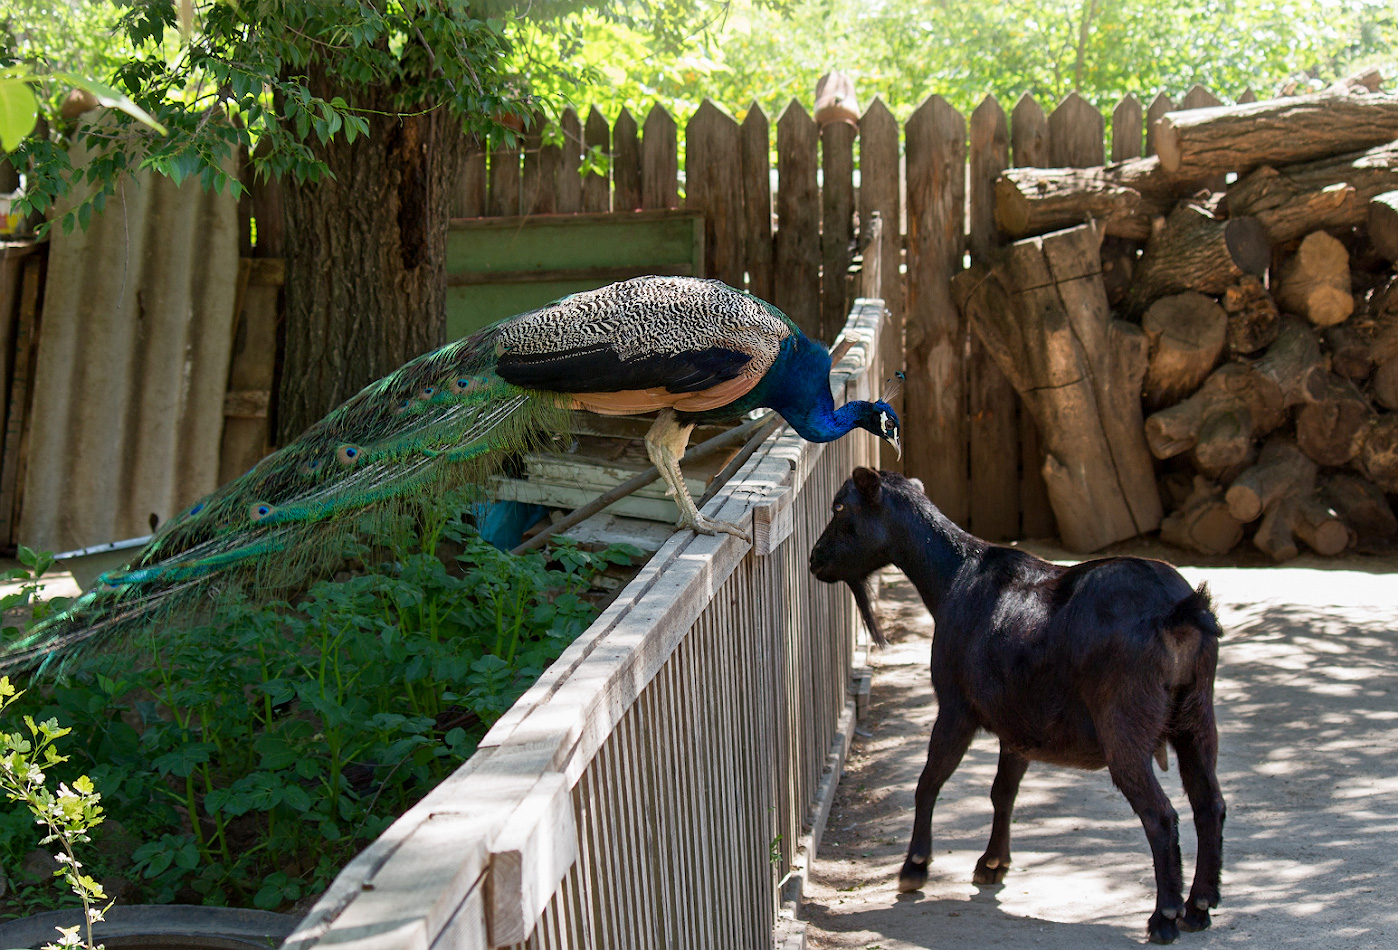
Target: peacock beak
897	441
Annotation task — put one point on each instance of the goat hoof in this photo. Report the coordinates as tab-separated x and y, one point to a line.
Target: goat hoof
1195	919
1162	929
912	877
985	873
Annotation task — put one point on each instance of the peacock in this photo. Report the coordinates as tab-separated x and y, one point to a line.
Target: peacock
692	350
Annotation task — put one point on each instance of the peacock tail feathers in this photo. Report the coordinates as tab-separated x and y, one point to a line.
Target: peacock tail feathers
441	423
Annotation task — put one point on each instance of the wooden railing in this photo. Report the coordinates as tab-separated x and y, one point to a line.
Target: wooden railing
657	786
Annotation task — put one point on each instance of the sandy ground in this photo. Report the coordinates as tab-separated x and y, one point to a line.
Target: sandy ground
1307	698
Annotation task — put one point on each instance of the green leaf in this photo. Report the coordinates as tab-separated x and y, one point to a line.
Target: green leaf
19	112
112	99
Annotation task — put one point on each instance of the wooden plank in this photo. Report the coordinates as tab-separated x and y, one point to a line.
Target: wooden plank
880	191
1029	134
626	164
757	206
504	180
992	401
596	188
469	198
1126	129
1160	105
837	224
660	161
528	858
568	186
1199	97
713	185
17	415
797	257
936	331
1247	95
1030	147
541	163
1076	134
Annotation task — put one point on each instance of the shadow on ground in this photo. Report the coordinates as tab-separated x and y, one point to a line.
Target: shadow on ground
1307	697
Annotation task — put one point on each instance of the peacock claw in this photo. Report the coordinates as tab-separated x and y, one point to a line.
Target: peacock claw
702	525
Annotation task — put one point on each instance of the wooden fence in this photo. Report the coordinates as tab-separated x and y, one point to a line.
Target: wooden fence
932	183
655	787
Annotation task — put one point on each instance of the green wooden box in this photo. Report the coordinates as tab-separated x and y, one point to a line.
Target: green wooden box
497	267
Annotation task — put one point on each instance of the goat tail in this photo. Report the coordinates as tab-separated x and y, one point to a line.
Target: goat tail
860	588
1195	611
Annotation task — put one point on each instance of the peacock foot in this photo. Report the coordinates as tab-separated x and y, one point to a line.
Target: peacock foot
704	525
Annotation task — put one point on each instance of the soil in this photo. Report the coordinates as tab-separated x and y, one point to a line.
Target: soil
1307	700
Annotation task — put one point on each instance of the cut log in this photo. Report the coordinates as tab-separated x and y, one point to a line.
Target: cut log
1383	310
1118	267
1238	138
1203	523
1315	281
1363	507
1378	458
1383	224
1193	250
1187	333
1280	468
1333	424
1301	515
1042	314
1331	193
1123	197
1220	422
1289	362
1385	385
1252	316
1351	352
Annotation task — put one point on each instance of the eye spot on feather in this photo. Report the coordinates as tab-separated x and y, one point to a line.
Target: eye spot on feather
427	392
311	467
348	454
195	510
468	384
260	510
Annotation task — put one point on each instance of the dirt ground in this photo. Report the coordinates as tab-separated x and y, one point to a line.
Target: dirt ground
1307	698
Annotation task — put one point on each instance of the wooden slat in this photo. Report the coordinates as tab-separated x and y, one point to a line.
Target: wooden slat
17	409
992	402
936	332
504	181
714	185
626	164
880	190
837	224
660	161
757	206
541	163
569	182
1029	142
469	199
1198	97
1076	134
1126	129
1029	134
1247	95
596	189
1160	105
797	284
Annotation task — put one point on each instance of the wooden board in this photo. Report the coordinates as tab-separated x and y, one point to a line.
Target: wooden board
797	258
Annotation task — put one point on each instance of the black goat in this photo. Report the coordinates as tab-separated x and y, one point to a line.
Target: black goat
1093	665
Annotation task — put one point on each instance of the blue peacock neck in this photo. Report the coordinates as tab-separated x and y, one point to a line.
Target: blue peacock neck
800	392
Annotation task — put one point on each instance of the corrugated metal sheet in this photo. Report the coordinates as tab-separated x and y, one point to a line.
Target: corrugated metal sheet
132	365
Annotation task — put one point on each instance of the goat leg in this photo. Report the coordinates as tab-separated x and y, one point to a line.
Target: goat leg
1197	753
991	868
1132	773
951	737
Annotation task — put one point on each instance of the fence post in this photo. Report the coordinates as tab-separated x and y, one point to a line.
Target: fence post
569	187
626	164
880	191
1126	129
714	185
797	283
660	161
757	208
596	189
837	213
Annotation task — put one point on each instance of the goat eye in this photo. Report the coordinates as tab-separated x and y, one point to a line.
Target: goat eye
839	507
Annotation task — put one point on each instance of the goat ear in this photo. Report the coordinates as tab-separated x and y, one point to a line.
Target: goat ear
867	481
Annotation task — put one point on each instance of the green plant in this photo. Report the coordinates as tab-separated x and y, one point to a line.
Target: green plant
67	812
251	754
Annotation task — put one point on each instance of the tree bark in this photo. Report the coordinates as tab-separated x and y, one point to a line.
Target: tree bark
1301	514
1201	142
1042	315
366	254
1333	424
1315	282
1280	467
1351	352
1123	197
1193	250
1187	334
1220	422
1378	457
1331	193
1383	224
1252	316
1289	362
1203	523
1362	506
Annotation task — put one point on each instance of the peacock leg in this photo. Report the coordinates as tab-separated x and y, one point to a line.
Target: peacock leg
665	444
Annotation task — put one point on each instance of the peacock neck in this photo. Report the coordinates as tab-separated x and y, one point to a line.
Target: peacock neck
801	393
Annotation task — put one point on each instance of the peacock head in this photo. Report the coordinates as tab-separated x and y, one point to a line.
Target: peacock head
881	419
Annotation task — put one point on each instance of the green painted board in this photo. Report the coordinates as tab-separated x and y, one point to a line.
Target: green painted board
497	267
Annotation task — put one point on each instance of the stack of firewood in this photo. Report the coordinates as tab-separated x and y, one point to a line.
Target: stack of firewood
1269	304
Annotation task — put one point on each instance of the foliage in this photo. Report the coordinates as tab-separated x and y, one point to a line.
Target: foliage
68	813
251	755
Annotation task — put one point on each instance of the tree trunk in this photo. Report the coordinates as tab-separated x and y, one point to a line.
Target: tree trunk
1122	197
1193	250
1201	142
366	254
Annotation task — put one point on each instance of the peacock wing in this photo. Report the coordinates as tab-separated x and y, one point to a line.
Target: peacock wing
644	344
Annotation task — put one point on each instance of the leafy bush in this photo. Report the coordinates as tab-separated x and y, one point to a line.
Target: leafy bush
244	759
